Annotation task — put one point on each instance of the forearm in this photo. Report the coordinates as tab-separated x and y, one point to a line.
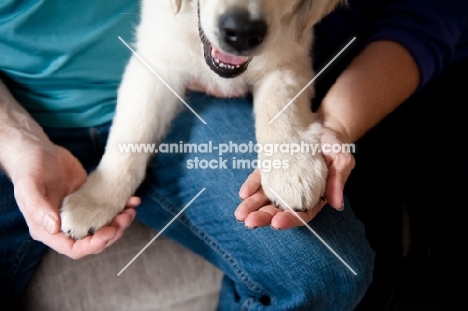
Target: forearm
18	131
376	82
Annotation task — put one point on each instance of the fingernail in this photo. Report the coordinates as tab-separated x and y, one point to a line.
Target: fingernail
239	221
49	223
342	207
241	194
274	228
250	228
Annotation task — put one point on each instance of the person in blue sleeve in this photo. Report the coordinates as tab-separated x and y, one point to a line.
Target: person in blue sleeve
395	93
411	164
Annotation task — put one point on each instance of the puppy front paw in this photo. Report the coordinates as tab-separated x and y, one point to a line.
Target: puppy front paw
299	178
90	208
301	184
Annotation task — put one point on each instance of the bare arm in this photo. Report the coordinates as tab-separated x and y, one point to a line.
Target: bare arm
18	130
376	82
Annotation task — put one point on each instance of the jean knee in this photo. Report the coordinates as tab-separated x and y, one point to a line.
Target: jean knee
325	289
296	271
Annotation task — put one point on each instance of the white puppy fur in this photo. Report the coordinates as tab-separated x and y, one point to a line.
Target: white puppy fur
168	39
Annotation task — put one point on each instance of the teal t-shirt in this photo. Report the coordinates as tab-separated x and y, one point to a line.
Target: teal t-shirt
62	59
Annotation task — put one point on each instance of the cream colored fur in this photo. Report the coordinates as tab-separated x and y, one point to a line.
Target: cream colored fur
167	39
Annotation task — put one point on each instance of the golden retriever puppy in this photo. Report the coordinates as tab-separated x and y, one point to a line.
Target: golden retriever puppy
233	46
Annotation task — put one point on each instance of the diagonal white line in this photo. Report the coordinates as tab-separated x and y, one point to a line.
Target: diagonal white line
160	232
315	233
162	80
312	81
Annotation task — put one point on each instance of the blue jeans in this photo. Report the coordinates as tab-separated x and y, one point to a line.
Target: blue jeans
264	269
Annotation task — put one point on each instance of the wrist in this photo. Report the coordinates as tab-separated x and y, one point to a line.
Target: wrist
16	143
339	130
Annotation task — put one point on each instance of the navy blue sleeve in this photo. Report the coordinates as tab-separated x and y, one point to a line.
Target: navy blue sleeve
431	30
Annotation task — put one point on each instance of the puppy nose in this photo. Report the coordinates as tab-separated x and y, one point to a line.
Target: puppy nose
240	32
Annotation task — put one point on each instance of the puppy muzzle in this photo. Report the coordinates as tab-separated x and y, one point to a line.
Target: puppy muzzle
239	37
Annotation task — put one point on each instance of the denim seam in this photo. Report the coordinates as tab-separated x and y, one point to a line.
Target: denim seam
241	274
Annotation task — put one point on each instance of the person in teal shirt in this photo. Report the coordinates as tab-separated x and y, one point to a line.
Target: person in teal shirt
63	60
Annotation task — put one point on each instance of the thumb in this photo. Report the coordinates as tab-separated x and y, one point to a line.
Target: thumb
334	189
32	200
338	172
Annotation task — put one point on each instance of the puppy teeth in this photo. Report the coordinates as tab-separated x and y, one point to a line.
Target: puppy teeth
224	65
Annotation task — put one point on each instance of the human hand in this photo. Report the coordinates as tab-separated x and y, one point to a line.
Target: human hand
42	177
339	166
257	211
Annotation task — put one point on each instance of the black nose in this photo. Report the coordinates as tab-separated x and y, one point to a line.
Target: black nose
240	32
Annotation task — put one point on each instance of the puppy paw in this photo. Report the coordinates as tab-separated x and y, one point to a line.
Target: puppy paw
90	208
300	185
298	181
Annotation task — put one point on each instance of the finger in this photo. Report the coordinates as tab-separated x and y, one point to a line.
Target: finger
76	249
288	219
261	218
91	244
97	242
124	219
251	185
118	235
338	174
31	199
133	202
334	192
251	204
122	222
108	235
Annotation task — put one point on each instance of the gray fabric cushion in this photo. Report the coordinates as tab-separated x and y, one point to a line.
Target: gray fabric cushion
165	276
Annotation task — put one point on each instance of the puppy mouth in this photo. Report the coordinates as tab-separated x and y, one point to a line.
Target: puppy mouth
223	64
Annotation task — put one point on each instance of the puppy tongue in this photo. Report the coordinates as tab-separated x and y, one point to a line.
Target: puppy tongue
228	59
